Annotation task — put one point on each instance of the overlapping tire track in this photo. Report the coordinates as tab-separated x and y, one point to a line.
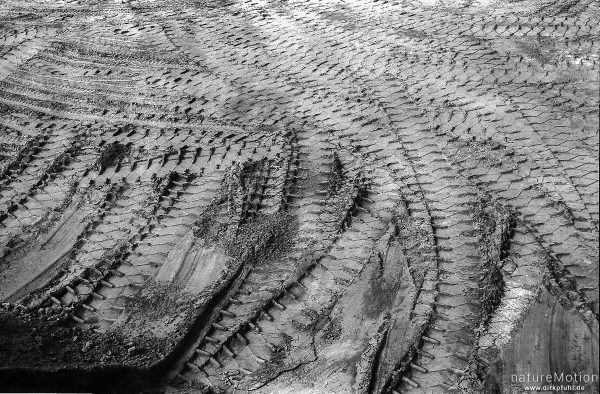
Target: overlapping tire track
355	129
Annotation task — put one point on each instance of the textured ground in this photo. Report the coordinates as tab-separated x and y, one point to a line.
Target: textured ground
298	196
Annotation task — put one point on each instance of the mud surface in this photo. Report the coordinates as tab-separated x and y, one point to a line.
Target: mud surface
298	196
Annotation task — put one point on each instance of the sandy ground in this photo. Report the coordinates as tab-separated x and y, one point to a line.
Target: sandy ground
298	196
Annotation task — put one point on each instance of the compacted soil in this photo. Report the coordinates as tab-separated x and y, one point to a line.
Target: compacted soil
302	196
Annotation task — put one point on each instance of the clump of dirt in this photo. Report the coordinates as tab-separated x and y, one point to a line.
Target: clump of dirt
332	331
336	177
267	235
16	157
235	205
347	197
162	184
111	155
162	313
270	236
204	227
157	299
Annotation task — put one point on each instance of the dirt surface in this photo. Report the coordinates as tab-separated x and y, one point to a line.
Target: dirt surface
379	196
